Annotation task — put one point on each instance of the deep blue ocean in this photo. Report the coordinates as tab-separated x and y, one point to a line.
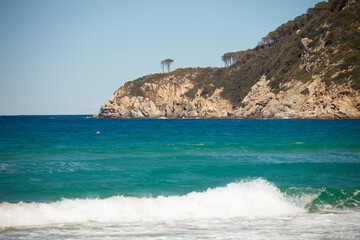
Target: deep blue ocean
178	178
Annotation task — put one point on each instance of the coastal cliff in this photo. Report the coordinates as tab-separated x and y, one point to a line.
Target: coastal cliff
167	98
307	68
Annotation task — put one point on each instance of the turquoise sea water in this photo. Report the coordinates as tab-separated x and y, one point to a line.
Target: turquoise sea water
178	179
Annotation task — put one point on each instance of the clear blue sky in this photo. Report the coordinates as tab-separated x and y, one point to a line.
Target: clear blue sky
69	56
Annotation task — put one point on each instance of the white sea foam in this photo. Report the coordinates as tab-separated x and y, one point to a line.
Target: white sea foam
242	199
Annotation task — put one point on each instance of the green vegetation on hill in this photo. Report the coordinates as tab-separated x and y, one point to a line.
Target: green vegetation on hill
333	52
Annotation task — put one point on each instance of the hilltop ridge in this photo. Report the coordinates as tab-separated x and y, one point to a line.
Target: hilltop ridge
308	67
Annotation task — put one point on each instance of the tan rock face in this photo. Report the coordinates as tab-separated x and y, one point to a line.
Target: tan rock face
297	102
167	98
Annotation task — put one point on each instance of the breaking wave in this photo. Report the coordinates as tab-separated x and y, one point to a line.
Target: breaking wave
252	198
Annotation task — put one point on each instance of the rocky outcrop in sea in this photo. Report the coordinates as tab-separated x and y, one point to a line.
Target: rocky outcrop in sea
306	68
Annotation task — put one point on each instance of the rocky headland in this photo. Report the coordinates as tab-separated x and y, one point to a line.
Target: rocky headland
307	68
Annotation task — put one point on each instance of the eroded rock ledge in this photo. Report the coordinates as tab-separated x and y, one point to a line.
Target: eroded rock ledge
167	99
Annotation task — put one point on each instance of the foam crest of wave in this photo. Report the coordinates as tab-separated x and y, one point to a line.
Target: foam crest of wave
241	199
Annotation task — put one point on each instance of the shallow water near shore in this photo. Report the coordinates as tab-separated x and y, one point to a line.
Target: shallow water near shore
178	178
